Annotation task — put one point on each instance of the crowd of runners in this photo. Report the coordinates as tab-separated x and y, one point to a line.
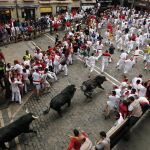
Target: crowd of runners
125	31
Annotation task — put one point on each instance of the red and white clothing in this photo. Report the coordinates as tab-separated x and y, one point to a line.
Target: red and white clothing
36	76
16	96
105	60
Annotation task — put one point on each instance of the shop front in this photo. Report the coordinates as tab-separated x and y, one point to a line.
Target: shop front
28	12
6	13
87	4
61	9
44	11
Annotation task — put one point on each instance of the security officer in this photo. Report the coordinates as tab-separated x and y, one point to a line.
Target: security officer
27	56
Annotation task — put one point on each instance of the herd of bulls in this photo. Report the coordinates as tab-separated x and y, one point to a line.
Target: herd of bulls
22	125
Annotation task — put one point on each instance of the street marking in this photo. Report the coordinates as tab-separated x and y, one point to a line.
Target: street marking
35	45
16	139
109	75
118	82
50	37
99	73
12	116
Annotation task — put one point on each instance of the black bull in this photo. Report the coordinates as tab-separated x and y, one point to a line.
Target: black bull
89	85
21	125
64	97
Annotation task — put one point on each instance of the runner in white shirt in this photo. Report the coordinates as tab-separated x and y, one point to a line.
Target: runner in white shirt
112	103
16	96
56	63
128	65
105	60
36	76
120	63
91	63
134	80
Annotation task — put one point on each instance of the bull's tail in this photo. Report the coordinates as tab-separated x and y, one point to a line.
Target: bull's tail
47	110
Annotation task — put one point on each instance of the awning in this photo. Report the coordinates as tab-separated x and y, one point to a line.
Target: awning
46	9
88	1
7	6
28	5
87	7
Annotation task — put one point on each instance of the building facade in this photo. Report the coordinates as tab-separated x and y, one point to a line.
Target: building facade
19	10
31	9
145	4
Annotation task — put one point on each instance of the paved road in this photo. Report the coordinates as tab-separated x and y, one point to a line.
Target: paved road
52	130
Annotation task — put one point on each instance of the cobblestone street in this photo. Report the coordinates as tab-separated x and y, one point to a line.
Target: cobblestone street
52	130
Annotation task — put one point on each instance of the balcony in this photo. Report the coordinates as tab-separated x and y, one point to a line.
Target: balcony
55	1
4	0
28	0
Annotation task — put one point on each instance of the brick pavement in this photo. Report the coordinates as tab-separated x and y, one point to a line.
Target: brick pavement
52	130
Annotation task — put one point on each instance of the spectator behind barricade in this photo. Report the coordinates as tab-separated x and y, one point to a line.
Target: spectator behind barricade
123	108
135	111
103	143
133	93
144	103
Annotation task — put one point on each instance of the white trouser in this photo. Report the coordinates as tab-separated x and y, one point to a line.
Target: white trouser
91	67
64	68
120	63
104	64
127	69
69	60
119	46
16	96
53	75
145	56
26	84
56	67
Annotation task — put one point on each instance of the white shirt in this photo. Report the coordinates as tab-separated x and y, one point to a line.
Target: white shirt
39	56
92	60
114	100
18	67
123	55
36	78
143	100
26	63
118	92
14	85
135	79
142	90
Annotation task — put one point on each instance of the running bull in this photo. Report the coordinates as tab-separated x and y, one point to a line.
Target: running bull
88	86
64	97
21	125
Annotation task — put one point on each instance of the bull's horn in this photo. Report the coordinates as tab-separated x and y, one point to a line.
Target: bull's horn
35	117
27	110
77	88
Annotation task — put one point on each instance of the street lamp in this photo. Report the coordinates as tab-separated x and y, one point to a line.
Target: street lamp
16	2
